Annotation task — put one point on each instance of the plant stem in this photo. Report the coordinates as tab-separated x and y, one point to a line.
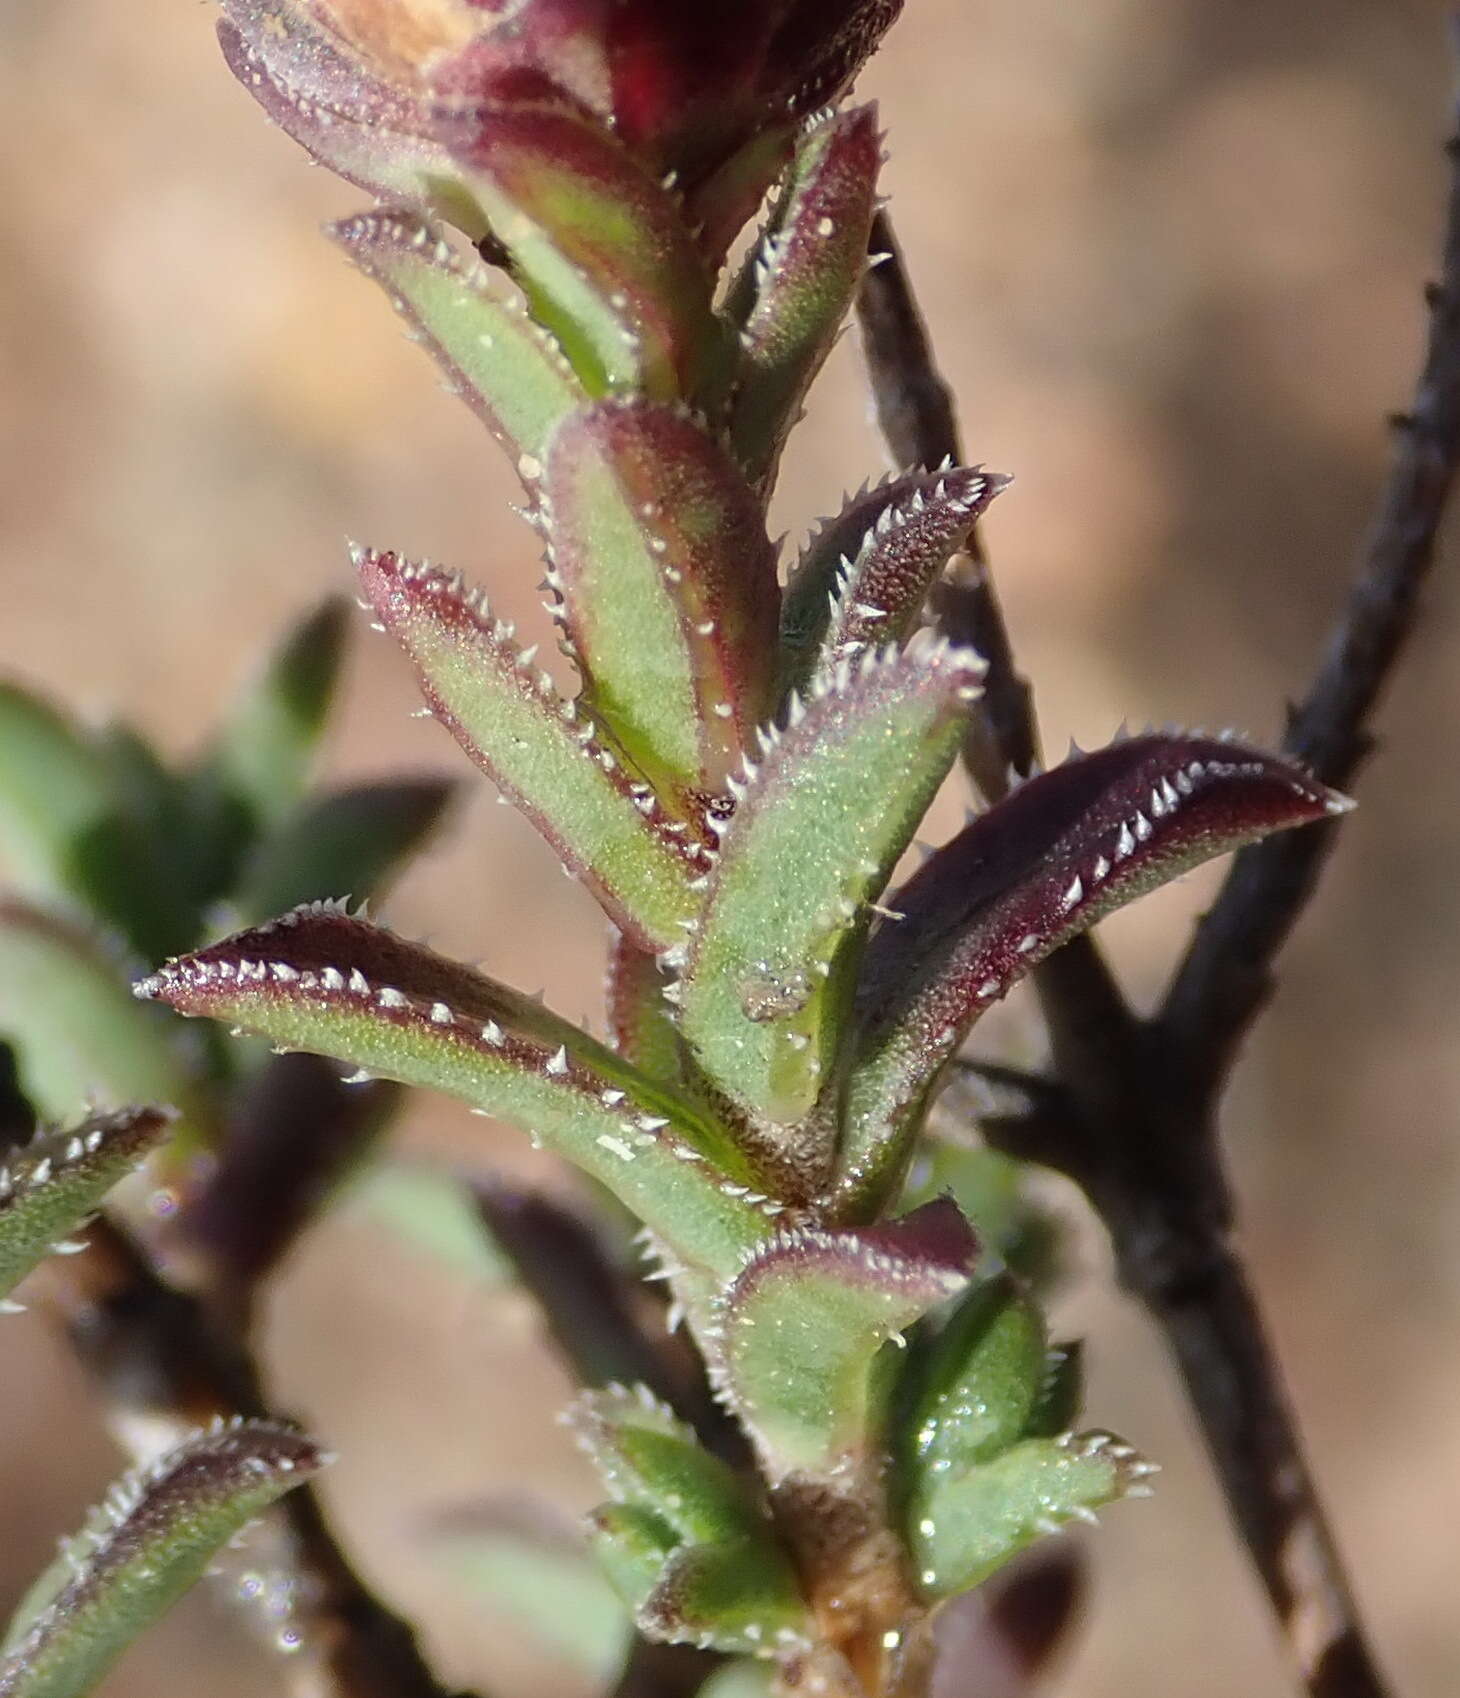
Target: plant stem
1139	1128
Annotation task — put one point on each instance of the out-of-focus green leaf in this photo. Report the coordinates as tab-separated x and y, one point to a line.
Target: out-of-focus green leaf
69	832
354	840
430	1211
261	756
80	1037
154	1537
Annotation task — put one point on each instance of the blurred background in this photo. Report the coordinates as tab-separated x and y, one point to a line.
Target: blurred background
1171	251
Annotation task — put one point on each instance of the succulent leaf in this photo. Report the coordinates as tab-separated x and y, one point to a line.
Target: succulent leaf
319	980
668	586
819	825
599	247
981	1379
799	283
1044	864
353	840
803	1325
638	1016
506	367
78	1036
69	831
156	1534
863	580
545	755
50	1187
964	1524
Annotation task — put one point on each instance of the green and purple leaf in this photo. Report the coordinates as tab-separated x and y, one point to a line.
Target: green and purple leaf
319	91
739	1597
963	1524
600	248
819	824
799	283
319	980
154	1537
543	752
802	1327
1046	863
864	578
507	368
668	586
51	1186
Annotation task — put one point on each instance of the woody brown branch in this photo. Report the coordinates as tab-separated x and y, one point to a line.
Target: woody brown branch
1138	1123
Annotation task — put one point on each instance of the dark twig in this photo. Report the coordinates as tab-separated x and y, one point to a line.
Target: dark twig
915	411
1138	1129
1226	976
162	1364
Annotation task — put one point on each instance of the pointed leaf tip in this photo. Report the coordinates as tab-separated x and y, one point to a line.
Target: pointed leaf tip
1044	864
543	751
154	1537
49	1187
319	980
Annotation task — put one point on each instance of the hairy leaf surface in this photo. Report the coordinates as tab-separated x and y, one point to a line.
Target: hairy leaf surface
819	825
1044	864
319	980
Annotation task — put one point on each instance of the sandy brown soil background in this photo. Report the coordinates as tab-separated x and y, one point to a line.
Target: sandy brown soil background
1171	252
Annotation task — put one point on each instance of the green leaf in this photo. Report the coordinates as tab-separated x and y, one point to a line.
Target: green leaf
645	1455
429	1211
68	831
739	1597
964	1524
601	249
78	1035
51	1187
632	1545
639	1018
801	858
668	587
798	285
527	1578
1046	863
544	754
506	367
155	1536
863	579
803	1325
353	840
260	758
980	1379
318	980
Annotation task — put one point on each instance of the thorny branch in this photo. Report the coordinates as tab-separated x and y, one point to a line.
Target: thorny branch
1132	1109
